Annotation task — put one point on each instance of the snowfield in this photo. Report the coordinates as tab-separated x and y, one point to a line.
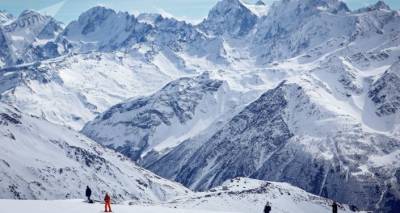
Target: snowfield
240	195
79	206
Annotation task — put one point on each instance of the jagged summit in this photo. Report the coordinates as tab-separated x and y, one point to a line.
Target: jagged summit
99	13
27	13
229	16
105	29
260	2
380	5
5	17
307	6
149	18
147	121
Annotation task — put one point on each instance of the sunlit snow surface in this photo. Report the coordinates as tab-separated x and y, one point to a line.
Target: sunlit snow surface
240	195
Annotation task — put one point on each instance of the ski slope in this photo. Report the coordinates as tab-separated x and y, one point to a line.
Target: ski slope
78	206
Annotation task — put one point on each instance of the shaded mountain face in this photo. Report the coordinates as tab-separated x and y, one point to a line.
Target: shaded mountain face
178	111
260	2
40	160
230	17
385	92
271	140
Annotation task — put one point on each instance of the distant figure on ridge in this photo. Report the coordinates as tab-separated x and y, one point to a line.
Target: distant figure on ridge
267	208
334	207
88	194
107	203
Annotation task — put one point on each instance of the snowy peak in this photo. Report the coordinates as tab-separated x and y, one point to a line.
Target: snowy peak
311	6
149	18
102	28
5	17
260	3
380	5
29	14
259	8
31	25
137	126
26	35
229	16
94	17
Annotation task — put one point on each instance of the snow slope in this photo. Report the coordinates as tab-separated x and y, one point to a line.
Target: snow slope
40	160
72	90
249	195
78	206
240	195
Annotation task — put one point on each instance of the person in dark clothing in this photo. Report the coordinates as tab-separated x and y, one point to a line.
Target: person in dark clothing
334	207
267	208
88	194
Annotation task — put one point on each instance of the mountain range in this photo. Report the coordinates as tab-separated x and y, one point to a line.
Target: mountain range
299	91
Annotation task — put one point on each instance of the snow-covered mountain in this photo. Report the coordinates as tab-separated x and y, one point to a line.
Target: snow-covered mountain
29	38
338	110
101	28
40	160
278	137
5	17
180	110
231	17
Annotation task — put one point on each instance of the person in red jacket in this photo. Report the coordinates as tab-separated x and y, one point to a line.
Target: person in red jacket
107	203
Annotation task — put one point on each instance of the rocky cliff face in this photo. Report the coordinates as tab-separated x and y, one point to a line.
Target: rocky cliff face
175	112
270	140
229	17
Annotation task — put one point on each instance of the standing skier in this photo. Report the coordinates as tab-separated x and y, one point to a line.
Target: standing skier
267	208
334	207
107	203
88	194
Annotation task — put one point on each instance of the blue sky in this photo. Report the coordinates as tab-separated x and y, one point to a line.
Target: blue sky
192	10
